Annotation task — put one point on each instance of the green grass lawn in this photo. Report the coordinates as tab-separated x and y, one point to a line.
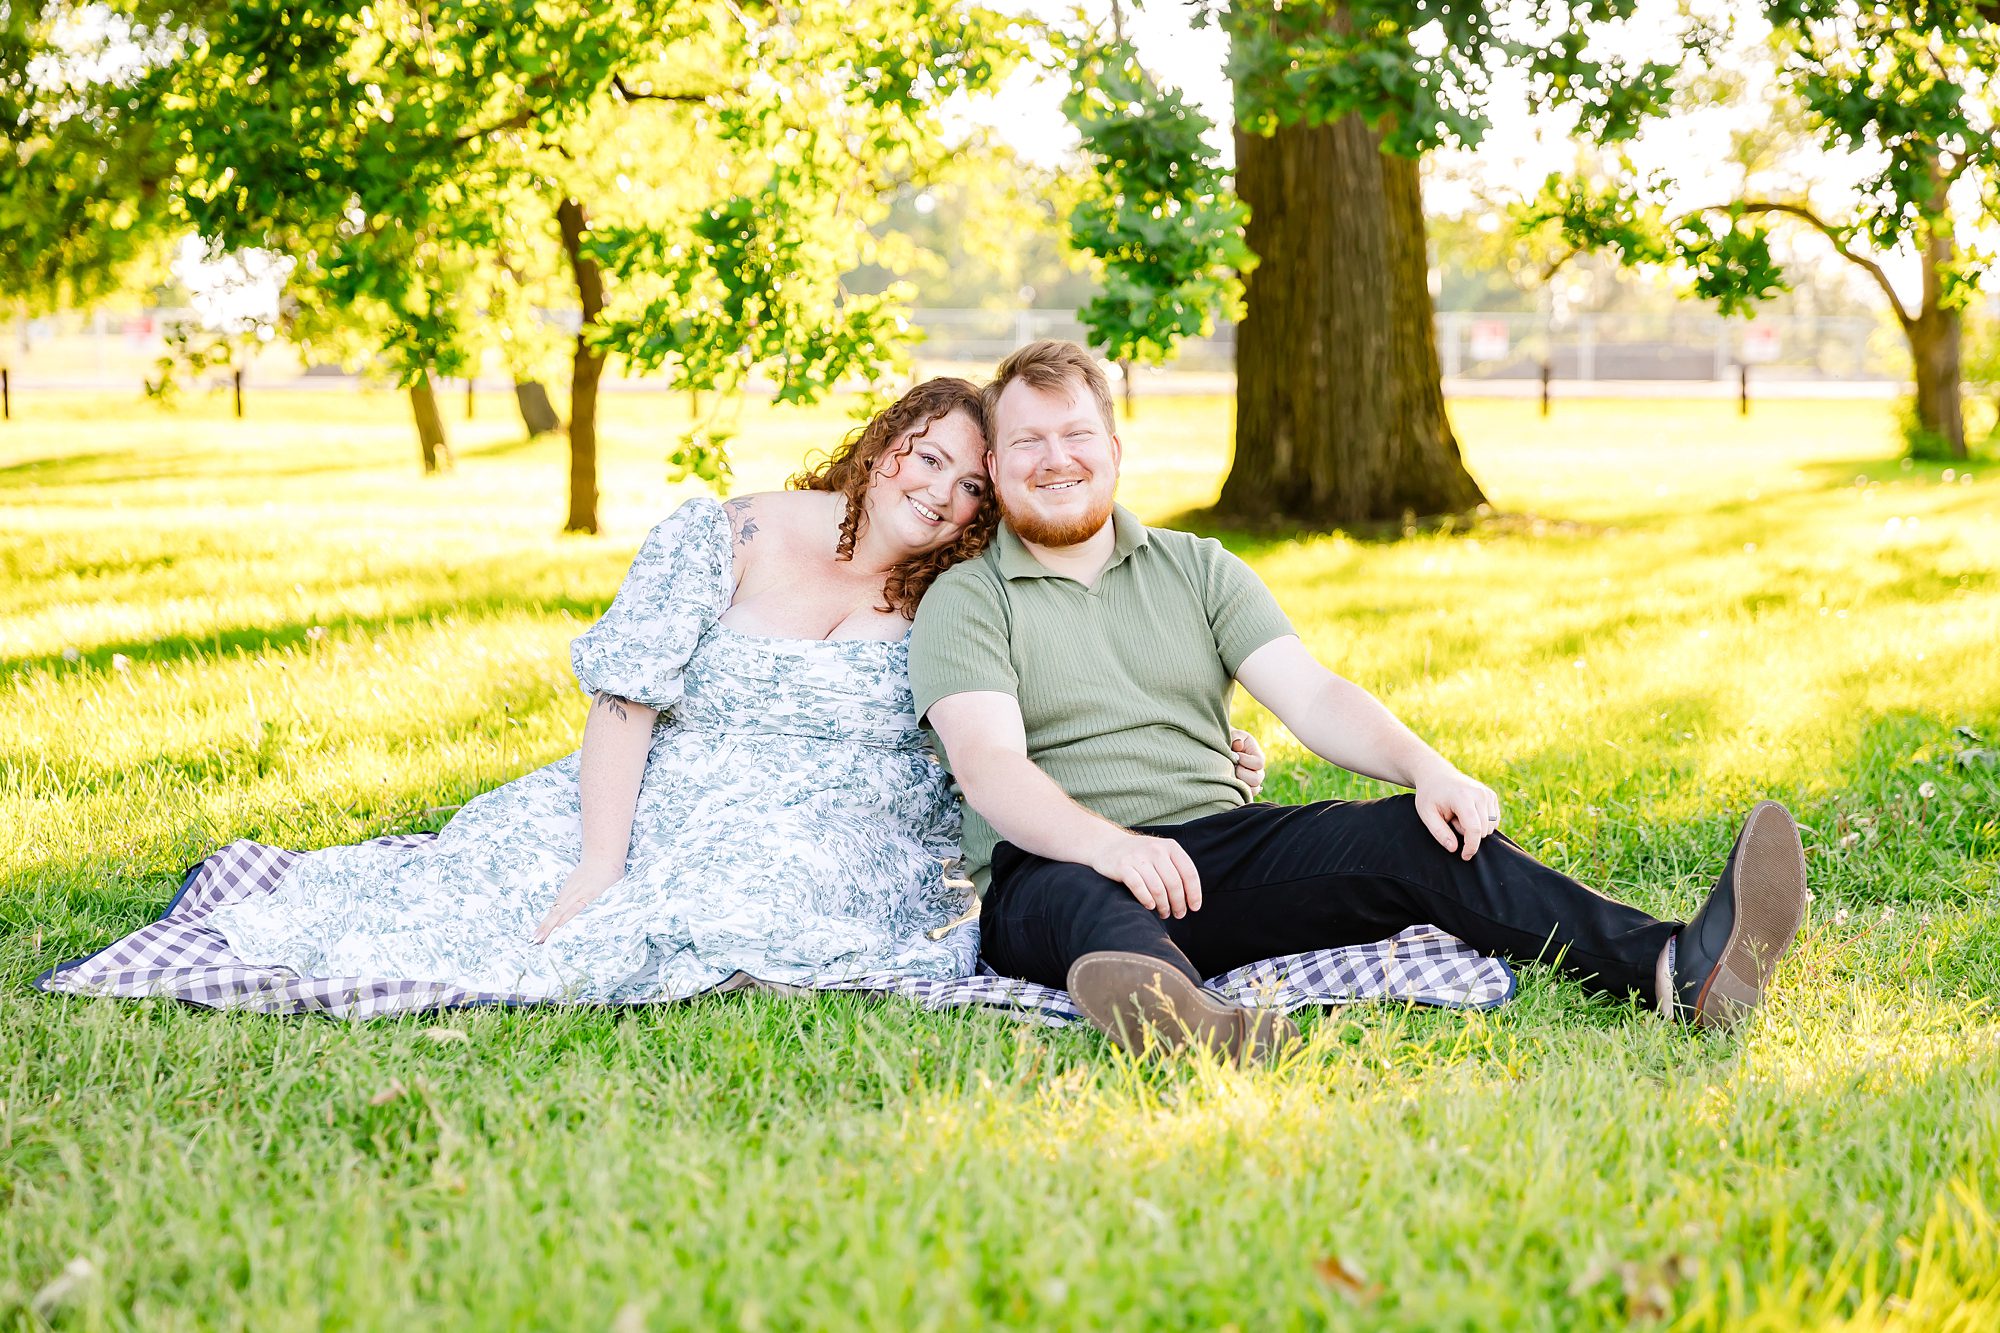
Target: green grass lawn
273	629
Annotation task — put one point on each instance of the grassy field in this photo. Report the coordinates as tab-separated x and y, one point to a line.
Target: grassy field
273	629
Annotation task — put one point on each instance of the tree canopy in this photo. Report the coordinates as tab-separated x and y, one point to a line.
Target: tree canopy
695	174
1162	216
1907	90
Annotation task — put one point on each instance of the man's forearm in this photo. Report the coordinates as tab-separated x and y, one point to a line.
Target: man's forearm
1026	807
1348	726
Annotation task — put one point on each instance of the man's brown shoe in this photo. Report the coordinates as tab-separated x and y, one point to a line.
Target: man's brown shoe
1141	1002
1724	958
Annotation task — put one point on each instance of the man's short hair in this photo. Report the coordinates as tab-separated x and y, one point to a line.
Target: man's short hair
1052	363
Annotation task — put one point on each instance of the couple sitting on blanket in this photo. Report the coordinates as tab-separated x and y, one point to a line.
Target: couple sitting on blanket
755	795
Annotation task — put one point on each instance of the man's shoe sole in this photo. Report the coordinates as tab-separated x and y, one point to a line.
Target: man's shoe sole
1144	1004
1768	892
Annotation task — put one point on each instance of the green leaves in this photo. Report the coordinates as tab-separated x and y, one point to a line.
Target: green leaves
1907	87
79	196
1595	213
1911	86
1156	212
1731	261
752	283
1728	258
413	158
1419	72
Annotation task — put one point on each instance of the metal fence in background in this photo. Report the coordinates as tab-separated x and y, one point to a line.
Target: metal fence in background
1480	345
105	349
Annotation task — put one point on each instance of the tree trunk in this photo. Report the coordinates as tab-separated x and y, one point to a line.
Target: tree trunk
586	368
538	414
1339	401
1937	337
430	425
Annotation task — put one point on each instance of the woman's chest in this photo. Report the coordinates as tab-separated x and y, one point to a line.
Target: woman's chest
784	599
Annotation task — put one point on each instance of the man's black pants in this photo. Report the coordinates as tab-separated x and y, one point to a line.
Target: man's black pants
1281	879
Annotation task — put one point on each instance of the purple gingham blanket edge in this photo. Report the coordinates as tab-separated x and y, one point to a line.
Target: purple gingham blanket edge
179	957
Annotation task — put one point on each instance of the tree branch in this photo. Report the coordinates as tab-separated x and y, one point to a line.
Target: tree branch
1555	266
629	94
526	116
519	120
1826	229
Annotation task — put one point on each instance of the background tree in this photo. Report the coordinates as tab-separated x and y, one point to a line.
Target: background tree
79	204
1905	87
1340	414
699	171
983	228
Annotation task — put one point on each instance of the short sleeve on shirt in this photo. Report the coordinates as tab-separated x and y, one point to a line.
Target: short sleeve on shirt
1241	610
959	642
678	585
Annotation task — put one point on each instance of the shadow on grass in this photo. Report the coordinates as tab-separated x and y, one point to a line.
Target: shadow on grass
101	469
172	650
1837	473
1252	540
75	470
64	469
511	446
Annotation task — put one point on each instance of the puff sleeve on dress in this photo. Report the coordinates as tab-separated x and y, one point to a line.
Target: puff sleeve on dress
678	585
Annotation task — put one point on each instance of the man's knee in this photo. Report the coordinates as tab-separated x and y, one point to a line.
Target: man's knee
1079	897
1387	833
1070	910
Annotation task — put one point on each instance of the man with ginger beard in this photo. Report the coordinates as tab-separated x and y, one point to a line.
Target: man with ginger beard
1076	678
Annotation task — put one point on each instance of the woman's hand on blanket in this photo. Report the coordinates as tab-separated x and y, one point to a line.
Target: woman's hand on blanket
579	891
1459	811
1156	870
1249	760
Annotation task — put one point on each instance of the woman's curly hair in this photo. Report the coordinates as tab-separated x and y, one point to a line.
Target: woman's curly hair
897	428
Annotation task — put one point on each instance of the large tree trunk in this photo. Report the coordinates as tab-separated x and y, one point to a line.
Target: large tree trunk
586	368
538	414
430	425
1937	338
1339	401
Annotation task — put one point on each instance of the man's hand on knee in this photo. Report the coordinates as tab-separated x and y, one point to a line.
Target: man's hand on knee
1459	811
1158	873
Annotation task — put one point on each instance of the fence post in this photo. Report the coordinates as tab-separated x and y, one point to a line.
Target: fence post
469	384
236	382
6	394
1742	388
1548	371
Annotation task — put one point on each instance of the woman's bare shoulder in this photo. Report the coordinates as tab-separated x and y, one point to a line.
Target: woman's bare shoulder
782	515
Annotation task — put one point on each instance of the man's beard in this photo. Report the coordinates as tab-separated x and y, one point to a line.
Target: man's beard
1055	532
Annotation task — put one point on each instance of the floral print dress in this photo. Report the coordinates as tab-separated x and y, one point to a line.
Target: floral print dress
791	826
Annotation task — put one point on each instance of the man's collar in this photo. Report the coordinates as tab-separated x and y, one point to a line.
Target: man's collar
1018	562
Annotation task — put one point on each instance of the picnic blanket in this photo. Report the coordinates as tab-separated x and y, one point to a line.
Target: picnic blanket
179	957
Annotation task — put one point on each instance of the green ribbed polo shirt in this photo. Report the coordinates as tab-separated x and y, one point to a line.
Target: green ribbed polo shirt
1124	686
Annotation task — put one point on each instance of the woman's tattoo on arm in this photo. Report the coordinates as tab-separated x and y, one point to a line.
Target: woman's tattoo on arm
614	705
